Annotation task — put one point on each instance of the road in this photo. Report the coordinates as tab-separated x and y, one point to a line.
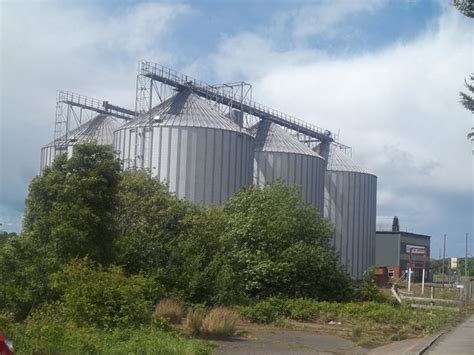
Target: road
274	341
460	340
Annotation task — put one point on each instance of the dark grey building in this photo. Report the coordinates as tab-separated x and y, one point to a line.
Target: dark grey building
398	248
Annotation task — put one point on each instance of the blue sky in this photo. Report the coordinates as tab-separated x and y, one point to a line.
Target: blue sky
386	74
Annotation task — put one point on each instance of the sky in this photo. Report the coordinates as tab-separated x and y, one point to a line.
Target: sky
384	74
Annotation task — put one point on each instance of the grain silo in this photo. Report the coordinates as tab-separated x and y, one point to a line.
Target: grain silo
350	204
280	156
99	130
202	155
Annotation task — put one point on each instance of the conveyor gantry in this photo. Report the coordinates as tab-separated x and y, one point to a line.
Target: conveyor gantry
181	81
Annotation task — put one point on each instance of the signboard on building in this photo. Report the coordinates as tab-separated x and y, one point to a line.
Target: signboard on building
454	263
415	249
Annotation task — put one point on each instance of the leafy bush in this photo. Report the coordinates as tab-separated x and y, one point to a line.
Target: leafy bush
104	297
265	311
275	245
25	268
220	321
369	290
170	310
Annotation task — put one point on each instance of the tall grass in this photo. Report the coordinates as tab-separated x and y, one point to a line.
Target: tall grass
170	310
194	320
220	321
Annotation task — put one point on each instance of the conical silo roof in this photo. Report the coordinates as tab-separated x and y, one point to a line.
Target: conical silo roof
271	138
185	109
99	129
339	161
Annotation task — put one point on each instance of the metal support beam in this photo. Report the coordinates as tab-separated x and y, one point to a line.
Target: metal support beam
156	72
65	104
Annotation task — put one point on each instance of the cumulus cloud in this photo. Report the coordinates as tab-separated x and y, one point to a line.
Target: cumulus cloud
328	17
85	48
397	107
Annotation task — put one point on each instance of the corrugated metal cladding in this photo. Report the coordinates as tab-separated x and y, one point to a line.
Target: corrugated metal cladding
350	204
99	129
280	156
203	156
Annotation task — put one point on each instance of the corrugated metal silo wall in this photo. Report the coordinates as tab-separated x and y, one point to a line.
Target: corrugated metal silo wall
350	204
205	166
301	170
47	157
49	153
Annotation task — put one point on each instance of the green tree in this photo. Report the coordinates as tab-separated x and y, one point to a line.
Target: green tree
170	238
25	269
70	208
275	245
466	7
149	219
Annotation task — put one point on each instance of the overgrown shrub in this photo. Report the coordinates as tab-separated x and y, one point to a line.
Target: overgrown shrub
171	310
369	290
220	321
104	297
275	245
265	311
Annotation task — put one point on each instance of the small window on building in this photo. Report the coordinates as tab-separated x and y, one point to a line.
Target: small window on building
390	274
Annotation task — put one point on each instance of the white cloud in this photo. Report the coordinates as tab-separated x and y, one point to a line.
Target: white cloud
397	107
89	49
328	17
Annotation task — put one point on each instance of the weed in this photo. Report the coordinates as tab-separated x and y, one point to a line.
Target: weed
170	310
194	320
356	332
220	321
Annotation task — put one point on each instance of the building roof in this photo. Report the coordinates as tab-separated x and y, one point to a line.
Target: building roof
405	234
99	129
185	109
339	161
271	138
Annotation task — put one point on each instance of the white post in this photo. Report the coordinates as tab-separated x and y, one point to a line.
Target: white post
409	279
423	282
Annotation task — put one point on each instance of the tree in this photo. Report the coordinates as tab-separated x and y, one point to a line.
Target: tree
71	207
275	245
170	238
466	7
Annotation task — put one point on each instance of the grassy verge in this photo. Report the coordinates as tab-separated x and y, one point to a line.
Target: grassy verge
368	322
67	338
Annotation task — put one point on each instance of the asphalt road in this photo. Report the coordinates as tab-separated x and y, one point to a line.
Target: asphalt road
281	341
460	340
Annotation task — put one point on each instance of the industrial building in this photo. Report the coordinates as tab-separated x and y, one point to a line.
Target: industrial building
280	156
202	155
351	205
209	141
399	250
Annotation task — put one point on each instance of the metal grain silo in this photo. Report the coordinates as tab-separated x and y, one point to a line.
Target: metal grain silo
202	155
280	156
350	204
99	129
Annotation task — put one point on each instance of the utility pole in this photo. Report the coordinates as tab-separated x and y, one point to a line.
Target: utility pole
465	259
444	255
